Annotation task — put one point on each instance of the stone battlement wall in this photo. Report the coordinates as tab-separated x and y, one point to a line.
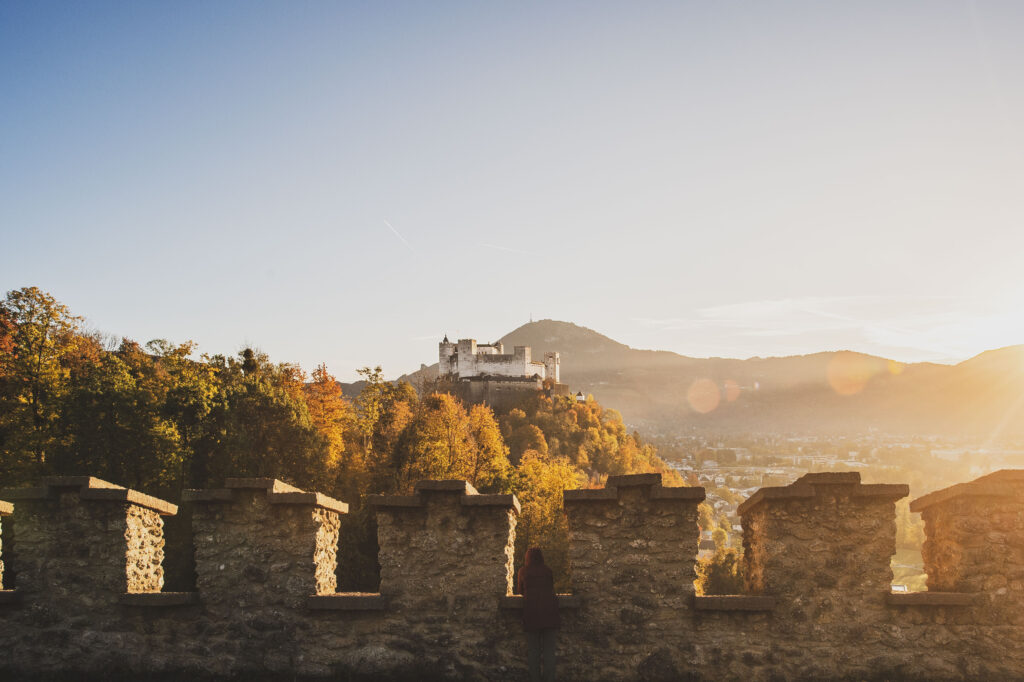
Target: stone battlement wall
87	562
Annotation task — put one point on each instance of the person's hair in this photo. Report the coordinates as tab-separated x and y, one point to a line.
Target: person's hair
534	557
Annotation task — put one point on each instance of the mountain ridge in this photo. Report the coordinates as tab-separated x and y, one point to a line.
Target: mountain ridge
822	392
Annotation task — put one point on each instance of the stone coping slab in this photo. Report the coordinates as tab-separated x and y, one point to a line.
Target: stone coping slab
278	492
393	501
6	508
565	601
629	480
446	486
590	495
207	495
807	487
9	597
272	485
347	601
733	602
315	499
1002	483
829	478
930	598
610	493
91	488
469	497
159	599
78	482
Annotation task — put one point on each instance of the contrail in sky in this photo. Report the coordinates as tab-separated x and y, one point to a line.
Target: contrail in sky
506	248
404	240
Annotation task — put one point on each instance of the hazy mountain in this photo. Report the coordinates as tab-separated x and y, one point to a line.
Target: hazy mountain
833	392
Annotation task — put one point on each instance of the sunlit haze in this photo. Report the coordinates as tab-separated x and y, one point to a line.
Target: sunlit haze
348	182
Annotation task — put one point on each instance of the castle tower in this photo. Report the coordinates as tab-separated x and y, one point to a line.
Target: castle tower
466	358
445	351
551	367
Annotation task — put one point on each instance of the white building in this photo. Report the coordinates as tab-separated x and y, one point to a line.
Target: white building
467	360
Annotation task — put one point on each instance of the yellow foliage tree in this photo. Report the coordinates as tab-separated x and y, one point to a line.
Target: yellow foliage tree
538	482
332	417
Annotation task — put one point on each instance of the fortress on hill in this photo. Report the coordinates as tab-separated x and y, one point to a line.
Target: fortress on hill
83	597
486	373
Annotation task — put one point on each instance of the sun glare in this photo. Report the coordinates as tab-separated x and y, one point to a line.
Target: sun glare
703	395
848	373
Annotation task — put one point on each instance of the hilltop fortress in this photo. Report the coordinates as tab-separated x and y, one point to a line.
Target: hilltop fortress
485	373
87	600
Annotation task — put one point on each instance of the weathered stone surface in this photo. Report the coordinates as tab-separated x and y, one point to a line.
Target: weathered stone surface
975	543
820	607
632	550
822	547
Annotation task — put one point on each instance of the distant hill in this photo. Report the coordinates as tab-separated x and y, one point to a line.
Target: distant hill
830	392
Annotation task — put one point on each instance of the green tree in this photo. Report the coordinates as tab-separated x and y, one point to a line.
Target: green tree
260	426
191	394
114	423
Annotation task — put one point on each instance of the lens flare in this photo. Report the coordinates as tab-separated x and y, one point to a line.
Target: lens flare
848	373
703	395
732	390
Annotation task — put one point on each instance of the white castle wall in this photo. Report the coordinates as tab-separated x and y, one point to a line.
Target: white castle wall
466	360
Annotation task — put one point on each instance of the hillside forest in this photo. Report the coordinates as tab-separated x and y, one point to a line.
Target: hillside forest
161	417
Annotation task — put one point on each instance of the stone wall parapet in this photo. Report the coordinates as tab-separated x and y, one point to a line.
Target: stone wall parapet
445	611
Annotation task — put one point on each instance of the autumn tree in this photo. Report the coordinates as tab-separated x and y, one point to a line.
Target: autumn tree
720	573
438	441
332	417
488	465
38	333
538	481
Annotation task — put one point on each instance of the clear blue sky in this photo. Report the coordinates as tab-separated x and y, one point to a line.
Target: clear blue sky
346	182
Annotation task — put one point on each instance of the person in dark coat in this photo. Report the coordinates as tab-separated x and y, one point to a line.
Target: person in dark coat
540	614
